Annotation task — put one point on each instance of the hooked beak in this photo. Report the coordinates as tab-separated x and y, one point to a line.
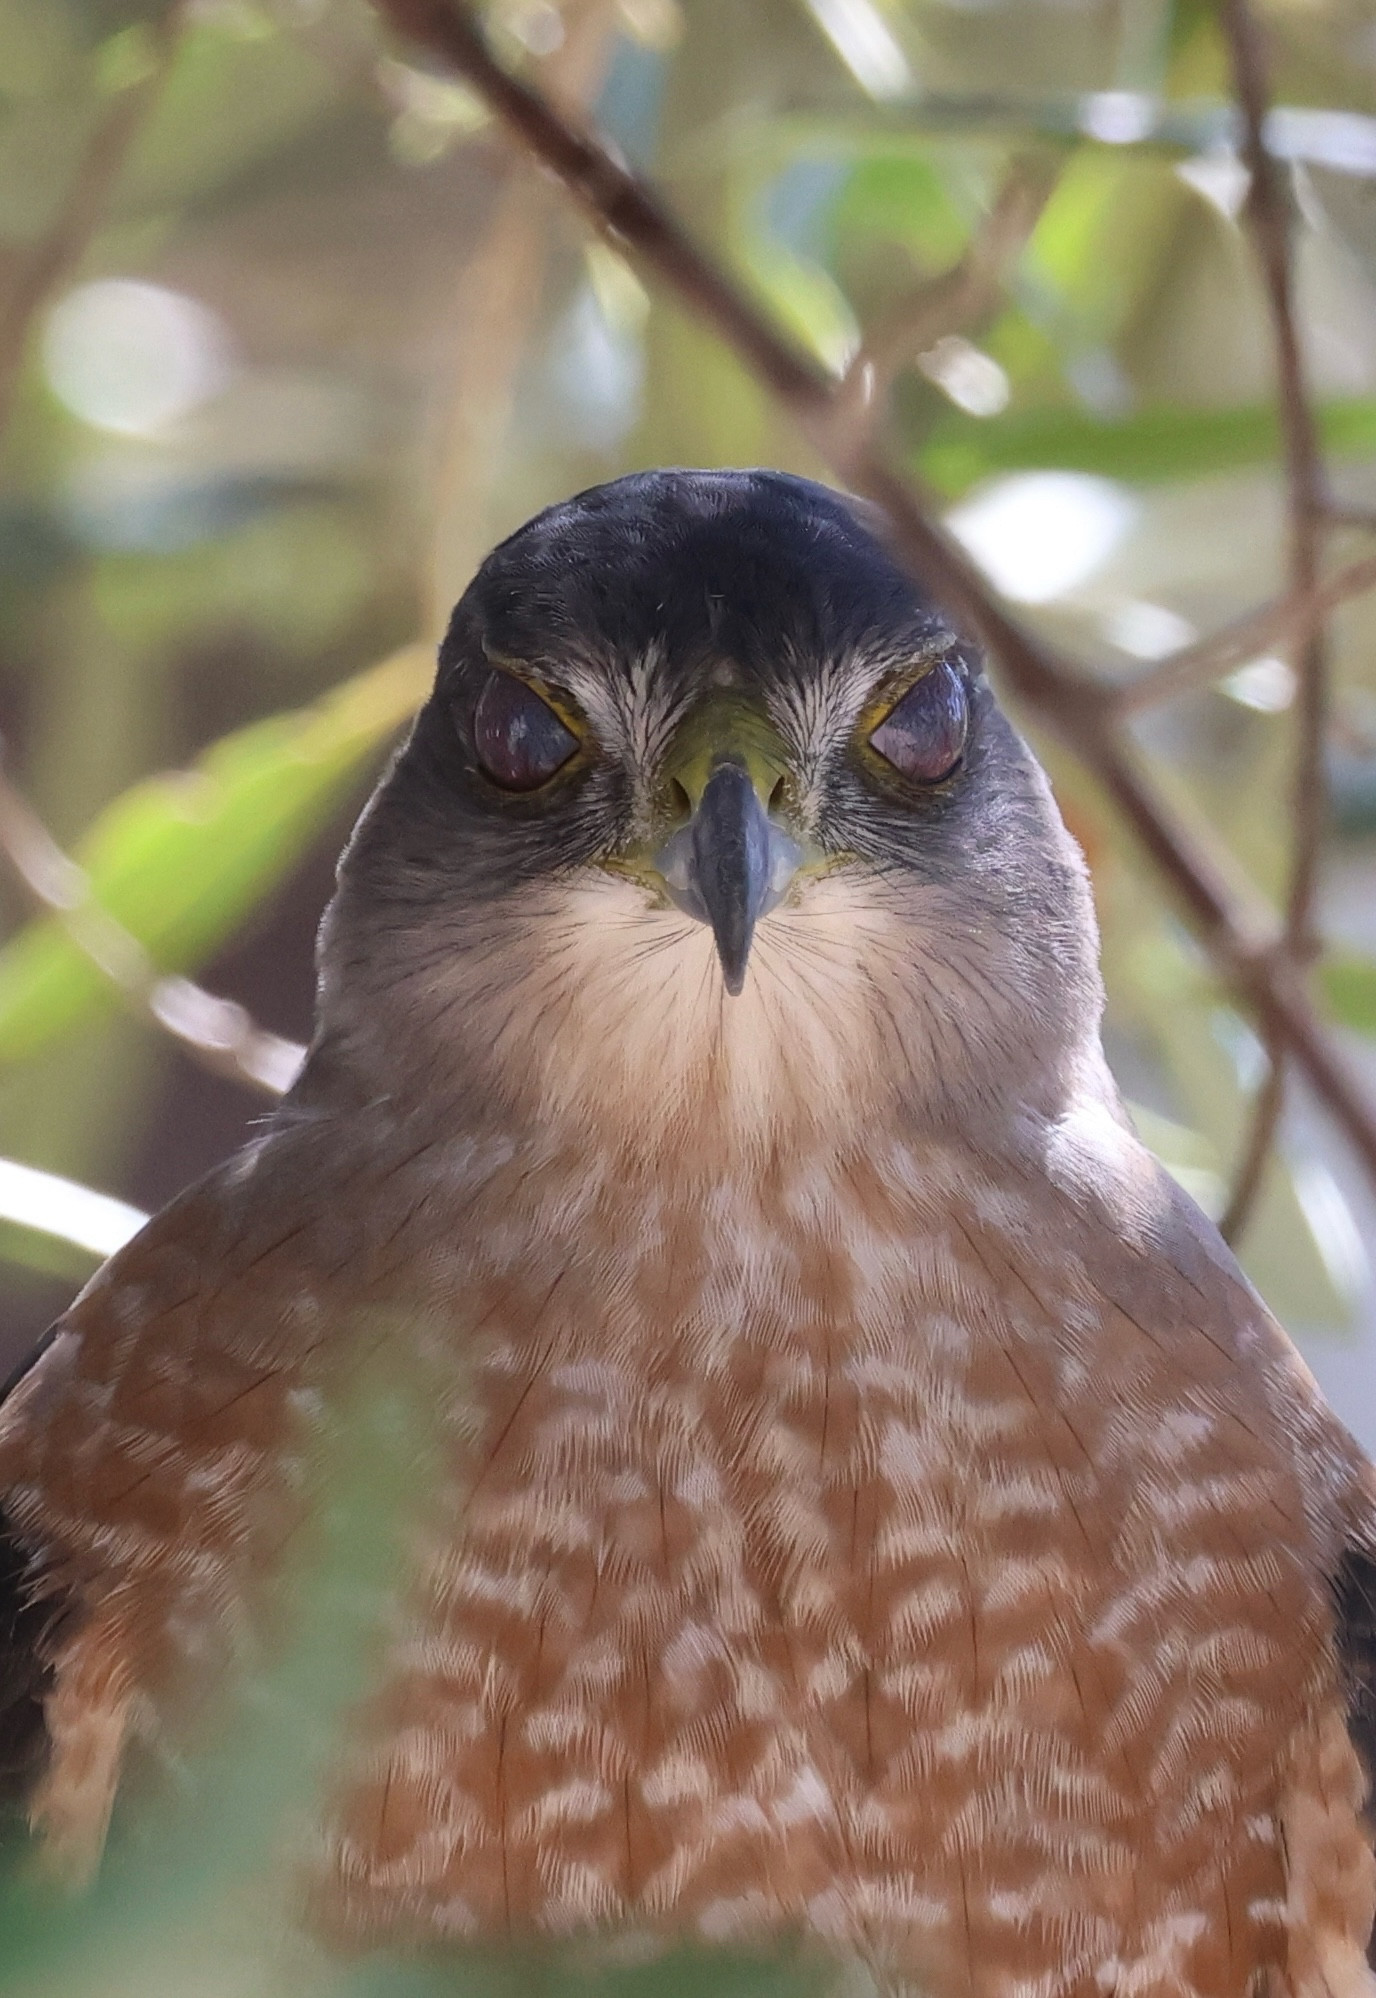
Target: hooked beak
731	863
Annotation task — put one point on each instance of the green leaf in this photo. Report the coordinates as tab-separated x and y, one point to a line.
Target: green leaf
903	200
1348	983
1108	224
806	298
182	858
44	1255
1163	443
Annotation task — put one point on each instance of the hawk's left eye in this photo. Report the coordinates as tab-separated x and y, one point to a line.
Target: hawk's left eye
519	740
923	735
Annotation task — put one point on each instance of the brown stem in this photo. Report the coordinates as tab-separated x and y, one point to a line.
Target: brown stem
219	1034
1268	213
1345	513
1250	1170
959	297
1270	624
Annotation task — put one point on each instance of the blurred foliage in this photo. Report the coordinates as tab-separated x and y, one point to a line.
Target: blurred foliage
179	860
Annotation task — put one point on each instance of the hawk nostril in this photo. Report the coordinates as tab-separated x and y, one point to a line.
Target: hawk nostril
777	795
679	798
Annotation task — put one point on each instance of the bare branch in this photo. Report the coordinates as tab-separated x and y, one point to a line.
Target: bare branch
1255	1156
1344	513
959	298
1268	213
61	248
217	1032
1273	624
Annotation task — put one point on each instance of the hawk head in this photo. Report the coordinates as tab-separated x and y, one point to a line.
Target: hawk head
711	813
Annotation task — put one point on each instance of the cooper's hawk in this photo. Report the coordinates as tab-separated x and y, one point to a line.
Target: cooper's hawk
697	1407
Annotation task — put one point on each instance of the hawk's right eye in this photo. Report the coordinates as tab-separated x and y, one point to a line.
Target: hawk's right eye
519	740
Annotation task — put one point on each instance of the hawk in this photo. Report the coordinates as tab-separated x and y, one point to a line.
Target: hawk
697	1426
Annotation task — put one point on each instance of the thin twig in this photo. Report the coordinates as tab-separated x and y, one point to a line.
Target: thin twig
1255	1156
1268	214
218	1033
1079	711
1273	624
60	249
1346	513
1263	1122
957	299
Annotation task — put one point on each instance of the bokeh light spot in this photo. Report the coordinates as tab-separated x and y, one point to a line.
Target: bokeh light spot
131	357
1038	535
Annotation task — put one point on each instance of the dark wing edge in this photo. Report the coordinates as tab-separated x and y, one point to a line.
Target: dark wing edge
28	1620
1354	1600
26	1626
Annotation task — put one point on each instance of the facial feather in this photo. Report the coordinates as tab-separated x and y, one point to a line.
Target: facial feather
598	1010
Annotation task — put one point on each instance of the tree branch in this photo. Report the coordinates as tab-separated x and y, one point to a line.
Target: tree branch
218	1033
1268	214
958	298
1276	623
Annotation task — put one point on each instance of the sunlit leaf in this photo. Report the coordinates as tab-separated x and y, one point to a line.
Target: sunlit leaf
90	1221
1161	443
182	858
806	298
55	1227
1349	987
1100	239
903	200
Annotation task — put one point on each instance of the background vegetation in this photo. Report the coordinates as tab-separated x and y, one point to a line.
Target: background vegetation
289	335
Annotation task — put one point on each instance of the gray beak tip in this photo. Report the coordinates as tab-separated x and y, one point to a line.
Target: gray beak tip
728	866
733	976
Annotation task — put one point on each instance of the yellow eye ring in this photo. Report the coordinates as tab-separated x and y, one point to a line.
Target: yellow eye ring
921	735
520	740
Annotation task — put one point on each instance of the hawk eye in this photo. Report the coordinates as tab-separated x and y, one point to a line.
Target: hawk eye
519	740
923	735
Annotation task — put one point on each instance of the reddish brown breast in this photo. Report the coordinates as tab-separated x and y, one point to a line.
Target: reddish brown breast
849	1561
